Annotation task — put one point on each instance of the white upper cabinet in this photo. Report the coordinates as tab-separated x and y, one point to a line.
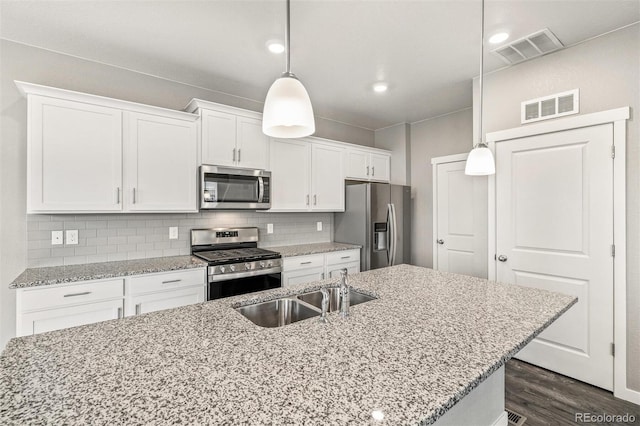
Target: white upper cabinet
307	175
74	156
231	136
372	165
89	154
159	164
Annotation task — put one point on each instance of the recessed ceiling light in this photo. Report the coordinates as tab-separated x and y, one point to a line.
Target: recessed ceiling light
498	38
275	46
380	87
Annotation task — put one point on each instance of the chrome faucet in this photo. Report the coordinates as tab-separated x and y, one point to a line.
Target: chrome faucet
325	306
344	293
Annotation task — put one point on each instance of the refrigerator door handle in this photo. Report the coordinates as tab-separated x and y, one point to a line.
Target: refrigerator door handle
394	234
389	235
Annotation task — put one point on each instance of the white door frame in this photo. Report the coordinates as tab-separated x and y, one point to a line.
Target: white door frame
434	162
618	117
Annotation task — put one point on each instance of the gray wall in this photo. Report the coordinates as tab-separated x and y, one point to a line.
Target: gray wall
444	135
396	139
607	72
20	62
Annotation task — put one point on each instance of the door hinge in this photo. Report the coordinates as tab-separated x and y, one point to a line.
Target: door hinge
613	151
613	349
613	250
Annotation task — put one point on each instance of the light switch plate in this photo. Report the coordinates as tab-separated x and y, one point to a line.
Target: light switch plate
319	226
269	228
56	238
72	236
173	232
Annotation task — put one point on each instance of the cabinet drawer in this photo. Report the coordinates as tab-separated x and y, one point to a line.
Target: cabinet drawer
344	256
303	262
73	294
165	281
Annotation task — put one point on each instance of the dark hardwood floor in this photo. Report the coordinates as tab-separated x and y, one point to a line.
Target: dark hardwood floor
547	398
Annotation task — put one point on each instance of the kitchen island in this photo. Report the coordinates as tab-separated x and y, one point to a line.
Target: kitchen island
408	357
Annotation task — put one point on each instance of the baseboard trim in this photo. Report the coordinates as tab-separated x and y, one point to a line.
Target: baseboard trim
628	395
502	420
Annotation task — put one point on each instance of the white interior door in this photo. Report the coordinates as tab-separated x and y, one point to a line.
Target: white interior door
461	221
554	226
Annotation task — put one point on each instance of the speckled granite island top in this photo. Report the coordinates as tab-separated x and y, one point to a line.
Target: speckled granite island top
313	248
426	342
34	277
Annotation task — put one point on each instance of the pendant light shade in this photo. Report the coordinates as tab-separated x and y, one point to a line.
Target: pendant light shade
480	161
287	108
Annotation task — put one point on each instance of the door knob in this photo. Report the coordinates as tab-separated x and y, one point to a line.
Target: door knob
440	241
502	258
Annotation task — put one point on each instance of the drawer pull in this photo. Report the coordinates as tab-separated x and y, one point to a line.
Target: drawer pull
171	281
345	257
305	263
138	308
119	313
84	293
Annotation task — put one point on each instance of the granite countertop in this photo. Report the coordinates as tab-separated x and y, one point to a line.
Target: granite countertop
427	341
313	248
34	277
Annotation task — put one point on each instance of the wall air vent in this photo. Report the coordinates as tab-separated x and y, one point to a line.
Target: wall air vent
528	47
558	105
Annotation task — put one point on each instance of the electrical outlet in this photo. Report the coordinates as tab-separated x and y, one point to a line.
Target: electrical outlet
72	236
173	232
269	228
56	238
319	226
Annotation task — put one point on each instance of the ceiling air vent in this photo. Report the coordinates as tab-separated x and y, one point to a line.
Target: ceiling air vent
558	105
531	46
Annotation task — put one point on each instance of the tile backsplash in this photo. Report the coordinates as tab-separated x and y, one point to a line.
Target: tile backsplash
110	237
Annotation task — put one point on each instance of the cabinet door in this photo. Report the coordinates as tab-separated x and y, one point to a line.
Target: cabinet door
290	174
380	167
302	276
333	271
74	156
160	164
72	316
252	144
327	180
165	300
357	164
218	138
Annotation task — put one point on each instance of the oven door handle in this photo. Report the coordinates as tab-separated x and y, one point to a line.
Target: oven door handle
253	273
260	189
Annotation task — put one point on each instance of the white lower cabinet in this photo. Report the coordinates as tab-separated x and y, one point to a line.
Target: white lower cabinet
42	309
155	292
305	269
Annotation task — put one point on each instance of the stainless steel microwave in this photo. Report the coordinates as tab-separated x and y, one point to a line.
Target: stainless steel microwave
233	188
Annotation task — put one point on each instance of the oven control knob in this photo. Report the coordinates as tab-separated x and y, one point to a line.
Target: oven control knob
222	269
262	264
232	268
270	264
247	266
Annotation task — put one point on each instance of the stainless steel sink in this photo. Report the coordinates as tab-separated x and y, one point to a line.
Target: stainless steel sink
277	313
315	298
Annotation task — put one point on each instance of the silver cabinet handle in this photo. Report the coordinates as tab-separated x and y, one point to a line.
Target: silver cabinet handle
119	313
118	195
345	257
440	241
84	293
234	155
239	155
322	276
502	258
373	170
305	263
307	199
171	281
138	308
134	195
367	170
315	199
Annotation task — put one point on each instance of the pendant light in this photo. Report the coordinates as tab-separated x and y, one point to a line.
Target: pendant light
287	108
480	160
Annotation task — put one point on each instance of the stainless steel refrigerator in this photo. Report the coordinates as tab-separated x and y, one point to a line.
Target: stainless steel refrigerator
378	217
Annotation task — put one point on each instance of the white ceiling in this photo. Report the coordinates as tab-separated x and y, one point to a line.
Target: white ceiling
427	50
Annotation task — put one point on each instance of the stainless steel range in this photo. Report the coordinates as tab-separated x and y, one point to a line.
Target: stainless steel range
236	264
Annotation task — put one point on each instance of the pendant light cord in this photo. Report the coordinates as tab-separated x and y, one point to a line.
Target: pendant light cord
287	39
481	70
